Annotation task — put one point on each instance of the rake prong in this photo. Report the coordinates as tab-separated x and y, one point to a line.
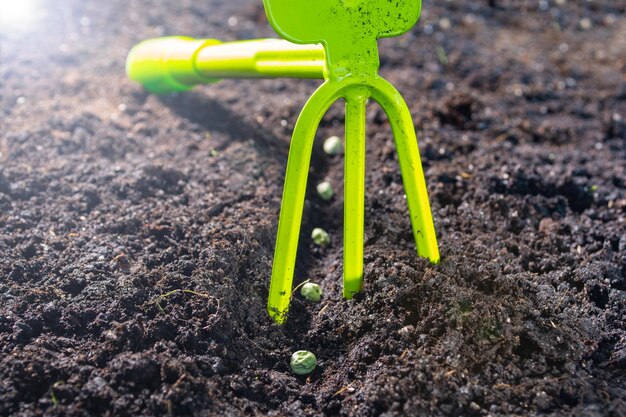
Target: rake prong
293	199
354	191
411	167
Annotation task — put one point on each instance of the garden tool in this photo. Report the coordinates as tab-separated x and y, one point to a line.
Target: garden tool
331	39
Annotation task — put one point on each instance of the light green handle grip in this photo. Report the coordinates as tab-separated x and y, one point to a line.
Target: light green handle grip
178	63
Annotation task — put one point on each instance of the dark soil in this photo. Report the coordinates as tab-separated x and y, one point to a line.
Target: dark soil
113	201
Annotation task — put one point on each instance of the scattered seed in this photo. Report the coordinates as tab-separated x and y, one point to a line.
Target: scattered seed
303	362
320	237
333	145
312	292
325	190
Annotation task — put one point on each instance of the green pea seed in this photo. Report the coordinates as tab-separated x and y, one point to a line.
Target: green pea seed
325	190
303	362
312	292
333	145
320	237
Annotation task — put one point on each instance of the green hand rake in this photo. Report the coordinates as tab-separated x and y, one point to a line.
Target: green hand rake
348	61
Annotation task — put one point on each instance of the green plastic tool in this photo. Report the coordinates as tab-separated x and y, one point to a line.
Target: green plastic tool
178	63
348	31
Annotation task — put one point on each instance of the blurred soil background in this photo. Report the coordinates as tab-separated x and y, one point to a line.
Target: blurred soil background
115	204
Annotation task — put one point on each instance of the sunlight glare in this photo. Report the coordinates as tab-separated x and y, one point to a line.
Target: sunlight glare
18	14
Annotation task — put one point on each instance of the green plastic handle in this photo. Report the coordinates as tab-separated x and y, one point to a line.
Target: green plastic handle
177	63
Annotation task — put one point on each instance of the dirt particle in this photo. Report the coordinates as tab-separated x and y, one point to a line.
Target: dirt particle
22	332
598	293
547	226
460	110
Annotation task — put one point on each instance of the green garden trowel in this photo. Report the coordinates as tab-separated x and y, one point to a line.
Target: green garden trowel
331	39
